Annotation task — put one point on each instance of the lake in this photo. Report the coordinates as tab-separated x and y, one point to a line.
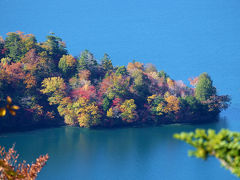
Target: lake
125	153
182	37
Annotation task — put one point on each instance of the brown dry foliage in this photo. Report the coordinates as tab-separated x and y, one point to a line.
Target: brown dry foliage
11	169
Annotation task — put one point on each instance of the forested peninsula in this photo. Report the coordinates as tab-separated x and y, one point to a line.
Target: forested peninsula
52	87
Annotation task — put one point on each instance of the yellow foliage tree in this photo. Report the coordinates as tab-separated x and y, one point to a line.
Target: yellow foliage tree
151	98
170	83
67	63
128	110
134	65
55	87
87	112
172	104
66	109
169	105
110	113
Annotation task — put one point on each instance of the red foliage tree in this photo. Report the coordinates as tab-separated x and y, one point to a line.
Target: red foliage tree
193	81
12	73
87	92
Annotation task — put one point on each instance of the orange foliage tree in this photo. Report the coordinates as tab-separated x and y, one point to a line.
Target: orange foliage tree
10	169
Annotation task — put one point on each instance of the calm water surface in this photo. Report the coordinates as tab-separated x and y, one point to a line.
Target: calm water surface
182	37
128	153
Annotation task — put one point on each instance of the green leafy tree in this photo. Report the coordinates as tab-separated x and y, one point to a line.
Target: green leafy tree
55	47
205	88
67	65
193	104
163	75
224	145
106	103
141	84
107	63
15	48
121	71
82	64
87	61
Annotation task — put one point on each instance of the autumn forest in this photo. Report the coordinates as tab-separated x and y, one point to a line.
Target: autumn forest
52	87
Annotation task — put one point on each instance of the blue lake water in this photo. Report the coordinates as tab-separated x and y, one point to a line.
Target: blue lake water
128	153
182	37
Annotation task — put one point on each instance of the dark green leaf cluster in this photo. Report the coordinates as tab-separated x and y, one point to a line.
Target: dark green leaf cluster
204	88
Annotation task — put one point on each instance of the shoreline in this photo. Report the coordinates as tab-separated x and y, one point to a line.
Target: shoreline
139	125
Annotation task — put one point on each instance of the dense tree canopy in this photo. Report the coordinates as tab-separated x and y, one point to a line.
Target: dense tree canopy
48	83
